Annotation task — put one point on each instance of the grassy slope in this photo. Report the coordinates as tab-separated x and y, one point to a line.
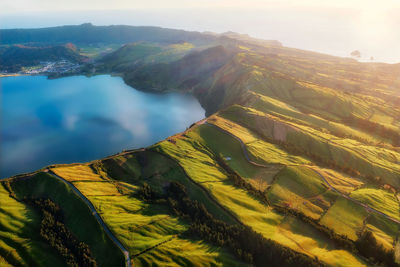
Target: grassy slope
136	54
191	153
343	217
297	187
378	199
367	159
148	231
278	108
20	242
227	147
260	151
384	230
313	199
76	212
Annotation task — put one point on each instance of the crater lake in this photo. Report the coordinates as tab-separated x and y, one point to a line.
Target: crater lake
79	119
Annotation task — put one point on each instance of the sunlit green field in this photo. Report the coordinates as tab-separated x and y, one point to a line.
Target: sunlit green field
75	211
148	231
384	230
379	199
189	152
345	217
296	187
368	159
20	242
259	150
97	51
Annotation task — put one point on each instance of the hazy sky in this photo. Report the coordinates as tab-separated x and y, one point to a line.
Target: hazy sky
330	26
35	5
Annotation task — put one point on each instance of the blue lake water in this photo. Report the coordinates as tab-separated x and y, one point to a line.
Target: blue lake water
78	119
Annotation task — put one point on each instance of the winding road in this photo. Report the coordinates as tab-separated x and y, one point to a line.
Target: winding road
97	216
246	155
368	208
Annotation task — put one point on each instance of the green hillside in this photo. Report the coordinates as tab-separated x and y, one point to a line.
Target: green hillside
297	164
87	33
14	57
140	53
74	211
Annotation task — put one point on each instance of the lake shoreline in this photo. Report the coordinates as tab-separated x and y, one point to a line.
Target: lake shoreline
14	75
147	90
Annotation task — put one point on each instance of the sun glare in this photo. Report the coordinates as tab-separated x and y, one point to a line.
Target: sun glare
372	25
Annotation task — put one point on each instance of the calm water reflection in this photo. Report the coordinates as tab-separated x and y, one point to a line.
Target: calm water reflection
79	119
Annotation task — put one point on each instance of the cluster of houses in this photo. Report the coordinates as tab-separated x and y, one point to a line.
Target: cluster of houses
59	67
